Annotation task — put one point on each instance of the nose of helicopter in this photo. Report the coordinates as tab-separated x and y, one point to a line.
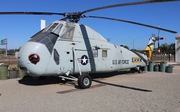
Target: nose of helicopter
34	58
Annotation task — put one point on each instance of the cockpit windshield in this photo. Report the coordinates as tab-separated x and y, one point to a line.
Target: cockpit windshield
48	36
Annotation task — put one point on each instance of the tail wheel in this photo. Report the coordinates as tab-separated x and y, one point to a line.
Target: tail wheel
84	81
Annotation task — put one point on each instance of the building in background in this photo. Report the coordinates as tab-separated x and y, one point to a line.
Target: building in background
177	48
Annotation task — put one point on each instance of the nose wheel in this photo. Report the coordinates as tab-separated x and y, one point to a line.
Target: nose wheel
84	81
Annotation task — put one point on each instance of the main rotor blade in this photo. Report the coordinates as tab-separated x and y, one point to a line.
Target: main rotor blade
32	13
121	20
127	4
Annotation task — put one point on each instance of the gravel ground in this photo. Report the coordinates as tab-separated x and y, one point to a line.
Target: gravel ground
131	92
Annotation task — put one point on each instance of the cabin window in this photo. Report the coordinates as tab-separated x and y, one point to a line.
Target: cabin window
104	53
56	56
68	33
95	53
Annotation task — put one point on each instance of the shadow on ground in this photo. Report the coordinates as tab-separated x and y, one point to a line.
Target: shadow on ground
111	74
28	80
122	86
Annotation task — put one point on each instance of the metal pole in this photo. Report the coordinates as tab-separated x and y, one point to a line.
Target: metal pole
6	47
6	50
133	44
158	36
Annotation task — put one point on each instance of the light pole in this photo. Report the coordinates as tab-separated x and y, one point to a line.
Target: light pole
158	36
133	42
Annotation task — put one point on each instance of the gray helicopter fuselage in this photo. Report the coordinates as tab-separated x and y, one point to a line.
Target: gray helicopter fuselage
72	48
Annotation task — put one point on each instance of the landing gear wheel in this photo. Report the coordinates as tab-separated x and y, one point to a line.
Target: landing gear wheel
84	81
140	70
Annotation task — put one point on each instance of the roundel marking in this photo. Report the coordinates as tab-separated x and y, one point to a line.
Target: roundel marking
84	60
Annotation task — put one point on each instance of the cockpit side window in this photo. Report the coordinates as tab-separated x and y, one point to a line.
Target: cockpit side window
68	33
55	28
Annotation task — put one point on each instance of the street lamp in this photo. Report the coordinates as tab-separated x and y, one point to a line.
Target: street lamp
133	42
158	37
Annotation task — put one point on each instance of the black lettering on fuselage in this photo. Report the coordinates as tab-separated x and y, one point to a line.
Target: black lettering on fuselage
119	61
125	61
116	62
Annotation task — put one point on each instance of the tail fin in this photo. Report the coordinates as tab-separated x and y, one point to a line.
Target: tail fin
150	47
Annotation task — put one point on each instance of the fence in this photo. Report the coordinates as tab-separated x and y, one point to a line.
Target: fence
163	57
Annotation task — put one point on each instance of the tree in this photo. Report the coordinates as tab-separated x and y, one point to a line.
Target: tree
11	52
164	48
171	49
168	48
2	51
126	47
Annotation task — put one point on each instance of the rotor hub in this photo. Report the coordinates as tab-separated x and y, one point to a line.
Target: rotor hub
74	17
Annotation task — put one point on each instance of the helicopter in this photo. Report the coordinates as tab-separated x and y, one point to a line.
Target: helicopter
66	48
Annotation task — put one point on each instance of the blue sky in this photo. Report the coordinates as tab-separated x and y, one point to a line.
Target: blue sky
19	28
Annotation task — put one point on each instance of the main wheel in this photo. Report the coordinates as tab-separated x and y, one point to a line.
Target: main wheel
84	81
140	70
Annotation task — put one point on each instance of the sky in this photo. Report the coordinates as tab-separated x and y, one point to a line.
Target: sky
19	28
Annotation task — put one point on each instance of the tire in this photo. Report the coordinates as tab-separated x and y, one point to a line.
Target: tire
140	70
84	81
